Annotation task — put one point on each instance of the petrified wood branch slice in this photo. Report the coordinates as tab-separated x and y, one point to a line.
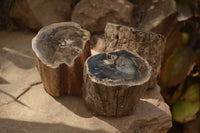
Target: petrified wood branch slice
147	44
61	50
112	82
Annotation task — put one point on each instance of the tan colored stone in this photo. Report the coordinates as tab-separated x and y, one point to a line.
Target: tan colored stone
17	68
23	16
149	14
35	14
50	11
97	43
65	114
94	14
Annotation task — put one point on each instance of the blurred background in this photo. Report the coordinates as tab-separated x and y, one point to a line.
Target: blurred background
177	20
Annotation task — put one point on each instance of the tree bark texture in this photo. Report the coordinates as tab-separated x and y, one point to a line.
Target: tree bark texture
112	88
60	52
148	45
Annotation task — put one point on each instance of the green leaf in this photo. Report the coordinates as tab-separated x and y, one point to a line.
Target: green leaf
185	38
192	93
176	94
184	111
177	67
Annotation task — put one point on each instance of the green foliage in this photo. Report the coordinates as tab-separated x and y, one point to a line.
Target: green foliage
183	110
180	75
177	67
185	38
192	93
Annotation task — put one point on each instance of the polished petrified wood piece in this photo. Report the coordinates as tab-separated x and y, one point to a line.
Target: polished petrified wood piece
147	44
112	82
61	50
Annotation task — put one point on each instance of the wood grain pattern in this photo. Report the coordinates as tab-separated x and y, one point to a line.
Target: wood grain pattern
148	45
60	52
112	82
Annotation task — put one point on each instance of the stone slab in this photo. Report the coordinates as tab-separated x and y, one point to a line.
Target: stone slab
17	67
43	112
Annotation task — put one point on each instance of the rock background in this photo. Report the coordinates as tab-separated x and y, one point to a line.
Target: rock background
92	15
152	15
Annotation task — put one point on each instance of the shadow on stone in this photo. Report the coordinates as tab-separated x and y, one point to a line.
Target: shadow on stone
152	93
14	98
146	118
3	81
75	104
20	59
16	126
151	114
